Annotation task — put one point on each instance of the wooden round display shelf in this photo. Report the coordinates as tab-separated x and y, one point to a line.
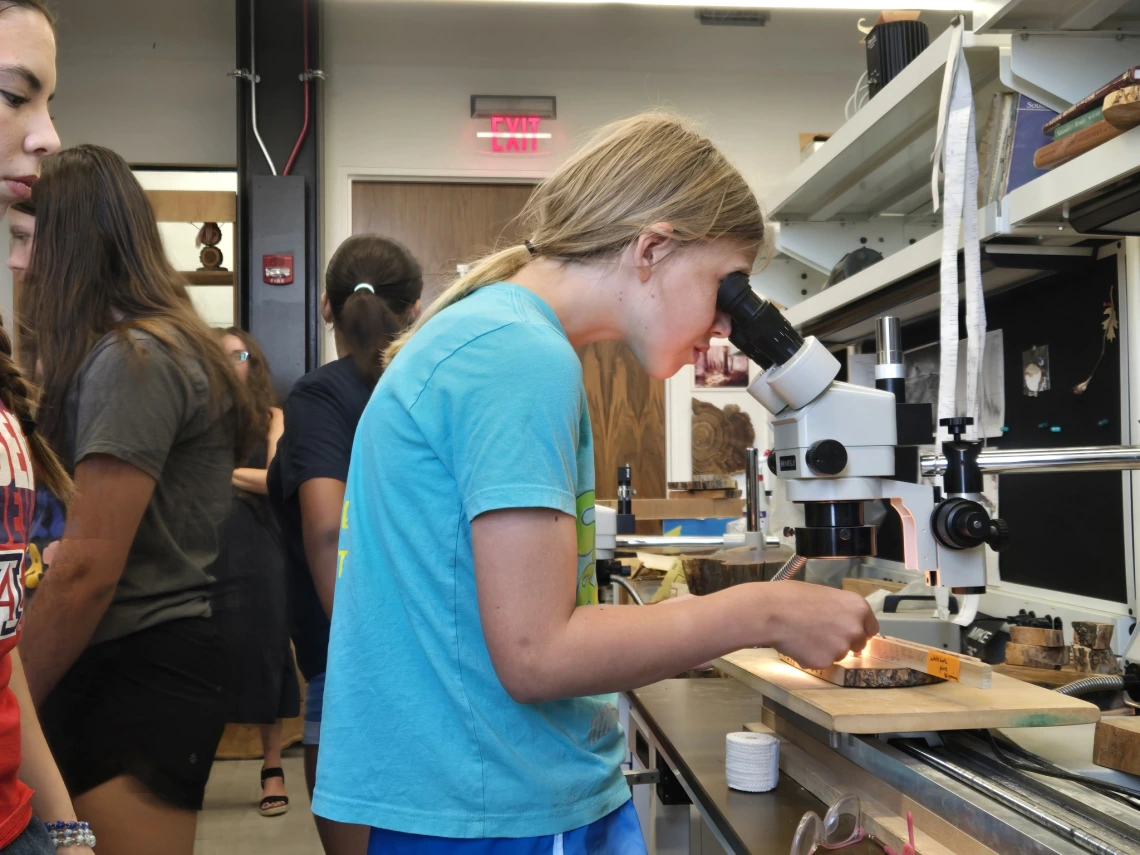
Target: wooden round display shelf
720	438
211	258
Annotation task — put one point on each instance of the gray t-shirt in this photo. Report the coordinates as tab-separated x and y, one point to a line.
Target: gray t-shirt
151	409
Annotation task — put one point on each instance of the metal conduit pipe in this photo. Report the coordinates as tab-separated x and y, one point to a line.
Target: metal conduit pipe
1099	683
790	569
1103	683
629	589
1029	460
1000	794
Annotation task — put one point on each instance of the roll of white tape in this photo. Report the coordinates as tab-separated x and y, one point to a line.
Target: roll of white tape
752	761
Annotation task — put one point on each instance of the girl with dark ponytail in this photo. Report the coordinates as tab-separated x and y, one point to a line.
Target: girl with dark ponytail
372	294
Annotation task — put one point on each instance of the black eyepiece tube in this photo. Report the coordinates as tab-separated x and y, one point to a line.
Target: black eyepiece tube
758	329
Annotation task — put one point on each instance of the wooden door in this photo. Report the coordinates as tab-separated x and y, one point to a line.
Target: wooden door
442	224
447	224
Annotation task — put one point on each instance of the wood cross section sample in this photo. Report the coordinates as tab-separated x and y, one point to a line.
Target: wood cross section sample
953	667
1037	636
1117	744
864	672
938	706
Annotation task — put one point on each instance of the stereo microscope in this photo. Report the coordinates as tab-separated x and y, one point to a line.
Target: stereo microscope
838	445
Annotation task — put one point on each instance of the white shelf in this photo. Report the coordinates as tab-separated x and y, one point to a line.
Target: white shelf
1044	16
1043	199
879	161
916	257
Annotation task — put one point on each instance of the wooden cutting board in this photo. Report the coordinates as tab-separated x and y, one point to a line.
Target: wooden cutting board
942	706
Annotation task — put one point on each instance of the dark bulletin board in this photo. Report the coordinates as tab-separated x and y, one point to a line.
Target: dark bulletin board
1066	530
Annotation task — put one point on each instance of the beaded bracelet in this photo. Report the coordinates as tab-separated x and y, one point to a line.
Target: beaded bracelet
72	833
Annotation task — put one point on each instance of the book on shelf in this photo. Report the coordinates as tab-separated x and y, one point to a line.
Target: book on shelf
1094	99
1073	125
1065	149
1026	138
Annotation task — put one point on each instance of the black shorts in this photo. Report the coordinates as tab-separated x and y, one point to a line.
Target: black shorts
149	705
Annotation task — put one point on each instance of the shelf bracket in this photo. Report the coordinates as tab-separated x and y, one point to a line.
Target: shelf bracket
821	245
1059	69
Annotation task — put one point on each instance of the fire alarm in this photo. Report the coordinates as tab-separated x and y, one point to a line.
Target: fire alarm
278	269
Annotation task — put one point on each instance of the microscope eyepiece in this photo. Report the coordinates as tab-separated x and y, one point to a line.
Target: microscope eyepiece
758	329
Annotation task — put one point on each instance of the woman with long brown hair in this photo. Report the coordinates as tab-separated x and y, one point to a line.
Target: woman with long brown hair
29	779
143	404
250	574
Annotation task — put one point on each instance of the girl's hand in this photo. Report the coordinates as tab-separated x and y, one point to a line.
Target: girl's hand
815	625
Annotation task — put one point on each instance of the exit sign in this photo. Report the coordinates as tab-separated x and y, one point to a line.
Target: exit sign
514	134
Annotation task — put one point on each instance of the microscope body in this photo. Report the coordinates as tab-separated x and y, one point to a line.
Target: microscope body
835	447
838	452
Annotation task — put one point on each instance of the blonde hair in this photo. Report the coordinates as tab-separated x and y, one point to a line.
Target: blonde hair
654	167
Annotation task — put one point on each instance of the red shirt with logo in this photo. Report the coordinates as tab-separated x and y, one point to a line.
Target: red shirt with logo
17	500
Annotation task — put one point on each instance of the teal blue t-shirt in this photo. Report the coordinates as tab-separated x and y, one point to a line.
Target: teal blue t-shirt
483	409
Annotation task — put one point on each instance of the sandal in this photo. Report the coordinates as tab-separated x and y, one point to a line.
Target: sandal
273	805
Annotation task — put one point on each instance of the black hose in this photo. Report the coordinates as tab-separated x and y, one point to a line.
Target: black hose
1100	683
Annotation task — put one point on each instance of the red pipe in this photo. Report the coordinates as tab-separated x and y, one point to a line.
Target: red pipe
305	70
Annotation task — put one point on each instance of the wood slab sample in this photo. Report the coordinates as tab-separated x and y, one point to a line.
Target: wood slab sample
955	667
867	586
682	509
705	482
1117	744
1037	636
1095	661
1035	656
1095	635
1053	678
863	672
941	706
705	494
1122	107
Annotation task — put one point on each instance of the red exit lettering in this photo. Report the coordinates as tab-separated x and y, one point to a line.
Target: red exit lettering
514	133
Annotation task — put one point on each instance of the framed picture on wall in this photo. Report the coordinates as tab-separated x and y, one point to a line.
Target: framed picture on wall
722	367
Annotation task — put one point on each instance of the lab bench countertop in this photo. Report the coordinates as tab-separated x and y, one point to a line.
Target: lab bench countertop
689	718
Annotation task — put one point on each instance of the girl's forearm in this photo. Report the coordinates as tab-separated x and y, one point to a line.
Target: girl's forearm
37	766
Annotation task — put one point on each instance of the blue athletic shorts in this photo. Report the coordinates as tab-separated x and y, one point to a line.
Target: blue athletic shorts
618	833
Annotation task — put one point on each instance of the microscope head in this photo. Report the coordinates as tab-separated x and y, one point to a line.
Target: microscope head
796	370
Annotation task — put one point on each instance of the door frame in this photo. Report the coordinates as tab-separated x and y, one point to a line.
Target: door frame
340	225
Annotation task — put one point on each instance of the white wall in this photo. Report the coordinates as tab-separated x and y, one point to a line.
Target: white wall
401	75
147	78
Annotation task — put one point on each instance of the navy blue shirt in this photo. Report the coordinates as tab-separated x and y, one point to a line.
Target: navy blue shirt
320	421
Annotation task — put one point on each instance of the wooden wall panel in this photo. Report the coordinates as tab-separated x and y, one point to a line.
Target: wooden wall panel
442	224
627	409
445	224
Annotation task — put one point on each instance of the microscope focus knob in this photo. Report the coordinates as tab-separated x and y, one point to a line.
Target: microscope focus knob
956	425
772	462
826	457
998	537
961	524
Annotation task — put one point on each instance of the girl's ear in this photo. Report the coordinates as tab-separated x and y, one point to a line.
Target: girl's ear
326	309
652	246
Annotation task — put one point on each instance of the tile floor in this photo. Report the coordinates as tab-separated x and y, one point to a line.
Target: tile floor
230	824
